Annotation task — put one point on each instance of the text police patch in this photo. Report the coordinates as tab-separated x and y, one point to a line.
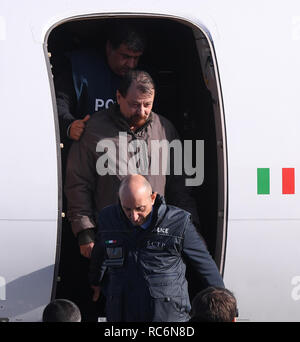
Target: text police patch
161	230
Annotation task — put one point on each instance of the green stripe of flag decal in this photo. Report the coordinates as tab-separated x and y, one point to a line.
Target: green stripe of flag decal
263	181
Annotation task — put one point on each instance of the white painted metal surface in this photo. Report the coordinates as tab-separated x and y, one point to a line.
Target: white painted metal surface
257	45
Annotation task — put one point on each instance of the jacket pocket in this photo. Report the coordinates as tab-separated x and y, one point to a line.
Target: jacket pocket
169	300
114	256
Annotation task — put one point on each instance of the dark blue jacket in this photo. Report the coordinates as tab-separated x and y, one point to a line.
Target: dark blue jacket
145	269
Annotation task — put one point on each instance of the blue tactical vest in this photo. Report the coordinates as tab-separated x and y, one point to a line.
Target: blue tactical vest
94	82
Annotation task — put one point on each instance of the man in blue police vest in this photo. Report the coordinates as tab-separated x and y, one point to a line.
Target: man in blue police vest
95	77
141	248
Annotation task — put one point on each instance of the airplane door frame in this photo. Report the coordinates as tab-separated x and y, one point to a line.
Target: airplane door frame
219	121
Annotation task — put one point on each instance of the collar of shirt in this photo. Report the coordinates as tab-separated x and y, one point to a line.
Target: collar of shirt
147	223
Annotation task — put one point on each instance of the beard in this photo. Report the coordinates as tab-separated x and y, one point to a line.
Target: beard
137	120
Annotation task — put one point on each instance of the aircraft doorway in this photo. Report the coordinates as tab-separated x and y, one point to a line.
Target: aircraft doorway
179	58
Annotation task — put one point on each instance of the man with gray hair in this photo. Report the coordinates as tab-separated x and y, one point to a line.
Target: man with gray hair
117	142
141	248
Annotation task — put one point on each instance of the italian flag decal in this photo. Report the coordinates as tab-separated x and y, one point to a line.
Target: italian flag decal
288	181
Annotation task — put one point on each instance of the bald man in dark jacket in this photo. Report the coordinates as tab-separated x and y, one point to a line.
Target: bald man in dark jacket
142	245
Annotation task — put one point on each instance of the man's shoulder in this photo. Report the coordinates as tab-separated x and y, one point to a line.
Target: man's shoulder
109	212
88	64
176	210
173	221
101	115
86	54
99	118
99	126
162	121
176	215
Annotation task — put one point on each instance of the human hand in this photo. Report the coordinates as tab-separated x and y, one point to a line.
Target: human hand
86	250
77	127
96	294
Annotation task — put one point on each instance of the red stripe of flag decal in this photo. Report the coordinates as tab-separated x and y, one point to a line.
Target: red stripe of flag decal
288	181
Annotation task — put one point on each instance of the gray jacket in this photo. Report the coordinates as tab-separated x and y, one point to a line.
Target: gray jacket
88	191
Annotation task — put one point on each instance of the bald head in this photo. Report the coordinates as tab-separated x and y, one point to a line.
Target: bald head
133	184
136	198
